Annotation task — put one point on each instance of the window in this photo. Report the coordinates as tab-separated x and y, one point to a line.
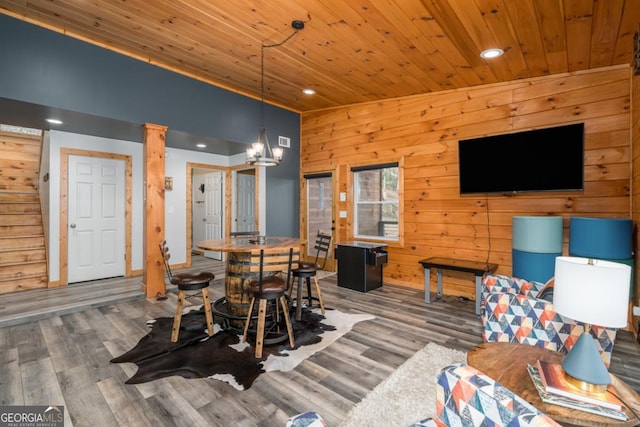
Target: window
376	201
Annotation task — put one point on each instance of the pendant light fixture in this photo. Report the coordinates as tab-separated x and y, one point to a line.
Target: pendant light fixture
261	153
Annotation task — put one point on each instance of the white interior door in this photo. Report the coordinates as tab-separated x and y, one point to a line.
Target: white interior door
198	210
213	193
96	218
245	202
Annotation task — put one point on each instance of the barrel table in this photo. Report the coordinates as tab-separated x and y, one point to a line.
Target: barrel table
234	306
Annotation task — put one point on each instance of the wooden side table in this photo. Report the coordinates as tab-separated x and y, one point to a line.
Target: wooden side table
507	364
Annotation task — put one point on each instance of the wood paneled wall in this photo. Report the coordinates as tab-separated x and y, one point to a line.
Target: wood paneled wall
635	185
424	130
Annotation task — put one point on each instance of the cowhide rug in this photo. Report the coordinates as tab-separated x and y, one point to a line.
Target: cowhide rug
223	356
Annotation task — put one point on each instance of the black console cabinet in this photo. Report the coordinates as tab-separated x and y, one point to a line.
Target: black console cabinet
360	265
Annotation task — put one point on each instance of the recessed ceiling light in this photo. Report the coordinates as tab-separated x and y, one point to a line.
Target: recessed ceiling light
308	91
491	53
201	145
54	121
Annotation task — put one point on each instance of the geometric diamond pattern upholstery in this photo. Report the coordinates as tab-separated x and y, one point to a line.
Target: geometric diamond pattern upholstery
496	283
510	312
306	419
429	422
466	397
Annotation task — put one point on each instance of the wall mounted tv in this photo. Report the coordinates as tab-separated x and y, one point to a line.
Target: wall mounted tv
550	159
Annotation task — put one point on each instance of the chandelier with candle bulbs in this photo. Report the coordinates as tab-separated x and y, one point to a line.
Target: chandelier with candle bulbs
261	153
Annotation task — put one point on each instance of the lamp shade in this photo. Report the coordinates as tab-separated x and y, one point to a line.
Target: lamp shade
592	291
603	238
537	234
537	267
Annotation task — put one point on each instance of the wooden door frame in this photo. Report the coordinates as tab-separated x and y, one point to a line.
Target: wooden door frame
189	202
64	206
304	220
256	193
227	199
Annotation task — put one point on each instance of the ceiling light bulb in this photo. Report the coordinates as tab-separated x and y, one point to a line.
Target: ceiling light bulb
309	91
54	121
258	148
491	53
201	145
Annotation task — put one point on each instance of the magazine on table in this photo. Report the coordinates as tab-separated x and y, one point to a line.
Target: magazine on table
554	381
567	402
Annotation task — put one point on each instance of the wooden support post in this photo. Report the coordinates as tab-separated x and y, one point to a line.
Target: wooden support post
154	174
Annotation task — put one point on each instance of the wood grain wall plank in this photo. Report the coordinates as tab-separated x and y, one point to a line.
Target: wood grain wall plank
424	130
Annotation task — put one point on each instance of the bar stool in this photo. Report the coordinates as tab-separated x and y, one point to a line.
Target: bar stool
187	282
307	269
269	289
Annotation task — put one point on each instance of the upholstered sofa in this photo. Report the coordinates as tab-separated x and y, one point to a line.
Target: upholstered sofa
466	397
511	311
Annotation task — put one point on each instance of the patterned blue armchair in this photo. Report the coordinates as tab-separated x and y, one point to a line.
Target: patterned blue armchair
466	397
511	312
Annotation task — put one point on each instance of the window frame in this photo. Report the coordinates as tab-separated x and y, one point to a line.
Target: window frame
356	203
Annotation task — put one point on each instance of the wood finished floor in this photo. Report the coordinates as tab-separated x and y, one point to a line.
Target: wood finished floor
60	356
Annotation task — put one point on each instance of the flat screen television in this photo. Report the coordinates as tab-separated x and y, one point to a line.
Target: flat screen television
550	159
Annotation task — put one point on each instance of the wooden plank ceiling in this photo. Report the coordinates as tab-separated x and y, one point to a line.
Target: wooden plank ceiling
350	51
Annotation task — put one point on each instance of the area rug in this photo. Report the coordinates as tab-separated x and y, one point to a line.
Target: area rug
223	356
409	394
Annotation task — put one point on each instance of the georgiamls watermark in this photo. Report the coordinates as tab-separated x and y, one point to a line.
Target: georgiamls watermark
32	416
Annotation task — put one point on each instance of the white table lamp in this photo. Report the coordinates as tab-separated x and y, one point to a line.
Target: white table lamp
594	292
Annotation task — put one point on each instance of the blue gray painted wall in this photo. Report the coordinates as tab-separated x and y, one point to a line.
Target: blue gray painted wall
47	68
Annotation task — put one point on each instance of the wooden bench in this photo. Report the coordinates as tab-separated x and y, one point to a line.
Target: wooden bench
478	268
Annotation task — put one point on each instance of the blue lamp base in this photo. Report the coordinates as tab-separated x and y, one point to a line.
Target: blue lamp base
584	366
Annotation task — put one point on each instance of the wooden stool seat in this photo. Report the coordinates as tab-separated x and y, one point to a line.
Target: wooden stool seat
188	282
308	265
271	286
192	281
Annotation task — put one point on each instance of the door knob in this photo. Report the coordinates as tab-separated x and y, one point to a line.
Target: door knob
72	226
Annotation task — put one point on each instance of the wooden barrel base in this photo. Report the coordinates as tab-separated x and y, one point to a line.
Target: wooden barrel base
238	276
230	320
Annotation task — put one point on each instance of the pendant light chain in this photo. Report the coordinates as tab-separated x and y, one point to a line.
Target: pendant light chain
262	48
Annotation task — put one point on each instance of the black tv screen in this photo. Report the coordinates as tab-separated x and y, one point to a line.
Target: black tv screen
550	159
